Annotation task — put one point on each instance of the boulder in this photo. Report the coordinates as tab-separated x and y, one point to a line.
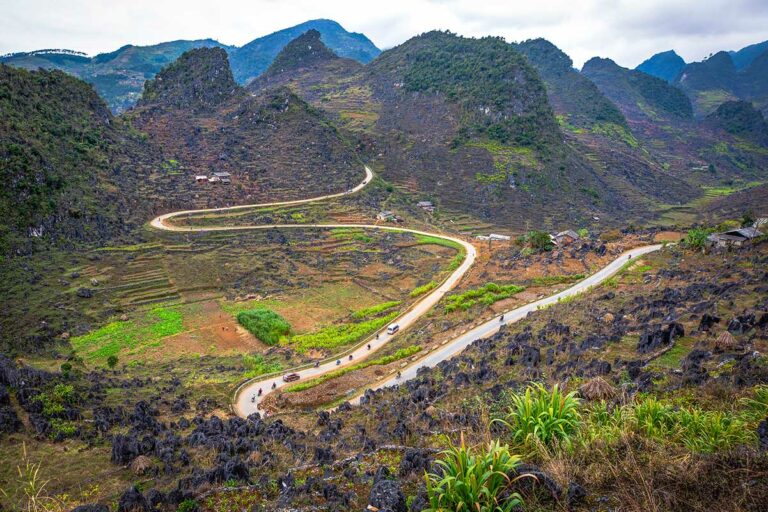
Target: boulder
133	501
386	495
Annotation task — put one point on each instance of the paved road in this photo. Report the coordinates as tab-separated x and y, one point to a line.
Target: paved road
491	327
246	399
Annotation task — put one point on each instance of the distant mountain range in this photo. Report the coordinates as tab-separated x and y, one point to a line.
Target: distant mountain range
724	76
119	76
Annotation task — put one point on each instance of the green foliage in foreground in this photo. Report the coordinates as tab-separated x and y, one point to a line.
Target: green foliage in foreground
381	361
421	290
256	365
470	481
375	310
265	324
485	295
540	415
338	335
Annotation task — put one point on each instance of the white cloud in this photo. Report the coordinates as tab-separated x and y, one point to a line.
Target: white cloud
626	31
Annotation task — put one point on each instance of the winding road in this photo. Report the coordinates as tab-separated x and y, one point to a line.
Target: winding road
247	400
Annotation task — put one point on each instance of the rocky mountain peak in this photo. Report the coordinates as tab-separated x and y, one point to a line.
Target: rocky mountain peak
305	51
200	78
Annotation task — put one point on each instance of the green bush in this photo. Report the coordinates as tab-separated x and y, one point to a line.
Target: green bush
421	290
54	400
486	295
540	415
265	324
473	482
112	361
338	335
538	241
375	310
381	361
696	238
256	365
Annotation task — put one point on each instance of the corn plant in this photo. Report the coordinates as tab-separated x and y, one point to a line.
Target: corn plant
473	482
757	406
711	431
544	416
654	418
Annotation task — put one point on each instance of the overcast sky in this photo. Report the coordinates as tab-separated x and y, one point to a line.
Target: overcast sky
626	31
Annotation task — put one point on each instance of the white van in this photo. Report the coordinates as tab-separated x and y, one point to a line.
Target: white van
393	328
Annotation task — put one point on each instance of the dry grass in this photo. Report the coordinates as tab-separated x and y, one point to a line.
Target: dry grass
597	389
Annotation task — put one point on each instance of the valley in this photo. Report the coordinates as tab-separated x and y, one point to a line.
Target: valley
306	274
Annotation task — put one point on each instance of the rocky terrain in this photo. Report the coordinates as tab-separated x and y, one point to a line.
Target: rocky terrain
689	329
273	144
121	346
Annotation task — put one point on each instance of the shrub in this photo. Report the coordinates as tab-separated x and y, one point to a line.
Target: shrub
375	310
696	238
112	361
339	335
53	401
473	482
256	365
539	241
265	324
486	295
421	290
543	415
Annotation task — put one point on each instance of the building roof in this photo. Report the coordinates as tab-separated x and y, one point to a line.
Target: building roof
569	233
744	233
424	203
201	177
222	174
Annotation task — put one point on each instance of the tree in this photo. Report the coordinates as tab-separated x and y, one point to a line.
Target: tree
748	218
697	238
66	368
112	361
539	240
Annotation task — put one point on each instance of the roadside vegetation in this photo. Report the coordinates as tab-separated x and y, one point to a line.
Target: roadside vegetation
381	361
485	295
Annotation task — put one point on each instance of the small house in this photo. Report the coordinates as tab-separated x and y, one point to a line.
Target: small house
494	237
214	179
201	179
224	177
566	237
386	216
427	206
734	238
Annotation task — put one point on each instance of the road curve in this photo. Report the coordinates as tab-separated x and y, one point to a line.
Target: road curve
247	400
491	327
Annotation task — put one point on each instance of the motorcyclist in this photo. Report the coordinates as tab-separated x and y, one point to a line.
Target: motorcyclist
260	391
338	362
398	374
369	346
350	357
274	385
